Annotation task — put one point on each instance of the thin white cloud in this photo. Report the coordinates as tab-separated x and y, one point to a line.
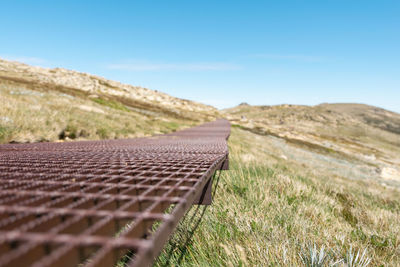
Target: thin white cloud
27	60
145	66
297	57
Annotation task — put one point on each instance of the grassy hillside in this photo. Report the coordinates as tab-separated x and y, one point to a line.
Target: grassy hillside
304	180
323	179
360	141
38	104
270	211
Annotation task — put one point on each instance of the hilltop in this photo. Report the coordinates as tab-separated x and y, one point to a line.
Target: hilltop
365	138
305	180
302	179
41	104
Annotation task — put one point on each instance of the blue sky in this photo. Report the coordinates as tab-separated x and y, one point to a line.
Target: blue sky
219	52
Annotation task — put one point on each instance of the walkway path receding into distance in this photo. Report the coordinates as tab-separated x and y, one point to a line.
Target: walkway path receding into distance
91	202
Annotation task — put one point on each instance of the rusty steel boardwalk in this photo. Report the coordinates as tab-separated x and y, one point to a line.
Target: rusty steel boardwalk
92	202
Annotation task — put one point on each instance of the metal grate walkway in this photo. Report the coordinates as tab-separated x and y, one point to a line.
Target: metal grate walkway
90	203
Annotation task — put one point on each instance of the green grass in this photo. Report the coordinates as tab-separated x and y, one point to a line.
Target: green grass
5	132
267	212
110	103
170	126
28	114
